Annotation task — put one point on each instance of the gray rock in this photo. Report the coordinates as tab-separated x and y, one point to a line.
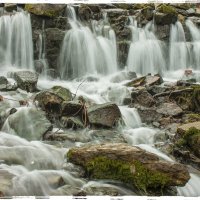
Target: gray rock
170	109
107	115
26	80
3	80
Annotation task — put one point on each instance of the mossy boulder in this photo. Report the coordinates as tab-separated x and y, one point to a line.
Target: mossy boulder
187	98
48	10
51	100
165	15
189	137
128	164
104	115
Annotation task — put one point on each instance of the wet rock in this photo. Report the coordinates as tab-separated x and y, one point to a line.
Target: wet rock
106	115
163	32
143	98
51	100
165	15
100	191
28	123
188	99
52	74
148	115
26	80
10	7
188	138
156	89
128	164
72	122
185	127
122	50
146	81
147	12
48	10
190	11
170	109
39	66
84	13
71	108
3	80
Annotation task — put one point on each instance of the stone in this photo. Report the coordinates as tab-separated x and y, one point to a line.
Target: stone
122	76
26	80
84	13
51	100
106	115
71	108
185	127
165	19
188	99
191	11
143	98
48	10
147	12
72	122
170	109
153	80
28	123
10	7
189	137
128	164
3	80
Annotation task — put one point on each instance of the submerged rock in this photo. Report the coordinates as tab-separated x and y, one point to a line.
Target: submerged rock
28	123
51	100
26	80
106	115
72	122
5	85
128	164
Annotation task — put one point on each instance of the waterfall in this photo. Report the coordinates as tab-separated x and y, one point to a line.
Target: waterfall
195	35
178	52
87	52
16	47
145	53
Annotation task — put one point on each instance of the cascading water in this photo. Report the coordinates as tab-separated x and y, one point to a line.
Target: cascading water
145	53
195	35
178	52
16	47
84	52
36	168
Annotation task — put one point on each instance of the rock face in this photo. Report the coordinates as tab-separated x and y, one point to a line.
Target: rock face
51	100
26	80
48	10
28	123
128	164
106	115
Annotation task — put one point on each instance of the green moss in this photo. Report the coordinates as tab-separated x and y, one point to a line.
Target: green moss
50	12
135	173
167	9
193	117
62	92
188	137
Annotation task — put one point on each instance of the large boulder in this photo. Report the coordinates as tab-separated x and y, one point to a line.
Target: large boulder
128	164
51	100
26	80
48	10
166	15
28	123
106	115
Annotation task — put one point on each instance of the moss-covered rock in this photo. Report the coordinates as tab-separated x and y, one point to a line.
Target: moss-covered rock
167	9
128	164
51	100
48	10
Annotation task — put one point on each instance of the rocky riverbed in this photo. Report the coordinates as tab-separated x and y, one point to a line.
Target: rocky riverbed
109	132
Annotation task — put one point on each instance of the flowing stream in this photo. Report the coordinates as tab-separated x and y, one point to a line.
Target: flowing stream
34	167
